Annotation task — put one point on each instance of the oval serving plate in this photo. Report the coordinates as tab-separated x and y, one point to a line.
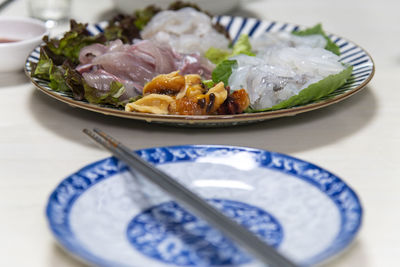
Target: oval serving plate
363	71
105	216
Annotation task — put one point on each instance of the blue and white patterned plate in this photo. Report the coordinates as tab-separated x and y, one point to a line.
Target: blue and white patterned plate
107	217
352	54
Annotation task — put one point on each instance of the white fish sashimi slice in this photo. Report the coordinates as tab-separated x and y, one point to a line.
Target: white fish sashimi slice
286	39
186	30
183	21
308	60
278	73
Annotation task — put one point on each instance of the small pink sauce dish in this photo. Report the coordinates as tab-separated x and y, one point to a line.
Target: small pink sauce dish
18	37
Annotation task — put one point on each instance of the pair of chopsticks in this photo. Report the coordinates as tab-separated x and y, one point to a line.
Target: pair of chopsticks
230	228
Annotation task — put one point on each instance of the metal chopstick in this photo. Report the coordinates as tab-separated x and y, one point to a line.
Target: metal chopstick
230	228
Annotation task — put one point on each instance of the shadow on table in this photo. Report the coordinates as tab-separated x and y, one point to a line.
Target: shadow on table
13	79
354	255
288	135
61	258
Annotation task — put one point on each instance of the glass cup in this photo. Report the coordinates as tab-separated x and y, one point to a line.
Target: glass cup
51	11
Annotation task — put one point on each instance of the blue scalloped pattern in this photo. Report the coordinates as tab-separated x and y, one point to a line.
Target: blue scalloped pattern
168	233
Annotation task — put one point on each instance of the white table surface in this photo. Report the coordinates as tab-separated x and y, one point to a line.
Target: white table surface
358	139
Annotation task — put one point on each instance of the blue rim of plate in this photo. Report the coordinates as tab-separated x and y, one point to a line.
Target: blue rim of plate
363	71
68	191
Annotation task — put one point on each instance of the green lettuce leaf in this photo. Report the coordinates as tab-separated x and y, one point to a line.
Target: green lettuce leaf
62	78
315	91
223	71
317	29
105	97
74	81
43	68
143	16
69	46
57	79
47	70
208	83
122	27
242	46
216	55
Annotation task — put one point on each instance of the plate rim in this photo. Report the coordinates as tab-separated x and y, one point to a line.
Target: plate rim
210	120
79	252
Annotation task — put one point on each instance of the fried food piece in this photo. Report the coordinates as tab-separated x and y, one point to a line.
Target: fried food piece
235	103
152	103
186	95
165	84
186	106
200	104
215	97
193	86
